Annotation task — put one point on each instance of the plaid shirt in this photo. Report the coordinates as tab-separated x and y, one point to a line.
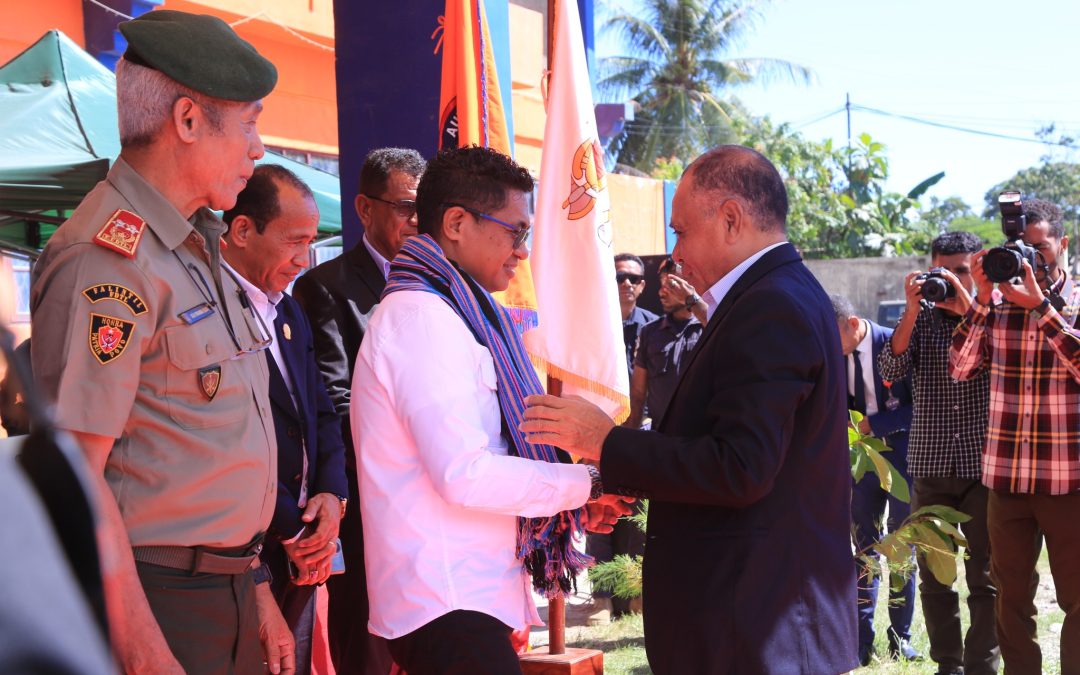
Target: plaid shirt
948	428
1033	439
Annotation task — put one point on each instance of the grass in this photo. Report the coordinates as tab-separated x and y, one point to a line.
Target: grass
623	641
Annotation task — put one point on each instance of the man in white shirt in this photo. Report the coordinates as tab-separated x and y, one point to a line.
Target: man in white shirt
458	511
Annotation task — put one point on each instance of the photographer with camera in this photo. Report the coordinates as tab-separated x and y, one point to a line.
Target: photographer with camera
945	446
1029	343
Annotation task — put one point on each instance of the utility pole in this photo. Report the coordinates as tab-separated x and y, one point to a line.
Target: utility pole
847	107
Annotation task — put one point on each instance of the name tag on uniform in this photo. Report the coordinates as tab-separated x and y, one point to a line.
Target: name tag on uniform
196	313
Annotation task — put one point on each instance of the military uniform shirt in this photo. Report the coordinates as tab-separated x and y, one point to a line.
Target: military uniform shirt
132	343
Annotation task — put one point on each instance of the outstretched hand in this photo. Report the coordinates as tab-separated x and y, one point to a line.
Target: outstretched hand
601	514
570	423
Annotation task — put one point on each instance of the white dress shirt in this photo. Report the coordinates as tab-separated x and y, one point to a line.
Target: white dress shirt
865	349
439	494
715	295
383	263
266	306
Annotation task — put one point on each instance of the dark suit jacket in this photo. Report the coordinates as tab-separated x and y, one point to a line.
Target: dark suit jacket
339	297
313	429
891	426
748	564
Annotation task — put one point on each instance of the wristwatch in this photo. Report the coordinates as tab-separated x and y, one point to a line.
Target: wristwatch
261	575
692	300
344	502
597	490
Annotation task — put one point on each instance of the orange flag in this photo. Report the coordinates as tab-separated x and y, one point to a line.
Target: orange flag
471	113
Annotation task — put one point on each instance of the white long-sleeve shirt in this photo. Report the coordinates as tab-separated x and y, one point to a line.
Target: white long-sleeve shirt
439	494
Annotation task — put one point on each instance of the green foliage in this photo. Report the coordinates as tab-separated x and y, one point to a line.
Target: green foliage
679	71
931	530
667	168
989	230
943	212
1057	182
620	576
838	204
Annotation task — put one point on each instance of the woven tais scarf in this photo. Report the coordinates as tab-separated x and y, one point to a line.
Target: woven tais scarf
544	545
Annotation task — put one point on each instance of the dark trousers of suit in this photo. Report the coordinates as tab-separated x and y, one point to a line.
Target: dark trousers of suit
868	502
1015	521
977	652
461	642
297	604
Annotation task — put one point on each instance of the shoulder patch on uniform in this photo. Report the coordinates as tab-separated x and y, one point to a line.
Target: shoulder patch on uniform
121	294
109	336
121	232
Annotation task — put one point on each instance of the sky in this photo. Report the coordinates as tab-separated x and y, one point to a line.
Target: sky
993	66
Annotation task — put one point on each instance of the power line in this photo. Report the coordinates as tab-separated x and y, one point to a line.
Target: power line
950	127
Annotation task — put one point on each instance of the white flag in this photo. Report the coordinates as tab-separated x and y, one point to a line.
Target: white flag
579	339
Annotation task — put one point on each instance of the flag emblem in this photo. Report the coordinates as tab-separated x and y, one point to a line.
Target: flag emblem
586	179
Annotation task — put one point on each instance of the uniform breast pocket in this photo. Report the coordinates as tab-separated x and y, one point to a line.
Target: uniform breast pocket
204	386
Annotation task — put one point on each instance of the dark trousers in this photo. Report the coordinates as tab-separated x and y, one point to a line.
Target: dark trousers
978	652
353	649
867	513
462	642
1015	522
209	620
625	539
297	604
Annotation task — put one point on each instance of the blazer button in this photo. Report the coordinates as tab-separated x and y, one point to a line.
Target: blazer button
297	478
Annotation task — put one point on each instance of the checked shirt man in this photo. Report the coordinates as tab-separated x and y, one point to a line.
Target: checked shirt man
1030	345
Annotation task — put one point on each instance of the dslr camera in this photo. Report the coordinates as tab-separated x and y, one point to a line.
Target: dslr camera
1004	263
935	286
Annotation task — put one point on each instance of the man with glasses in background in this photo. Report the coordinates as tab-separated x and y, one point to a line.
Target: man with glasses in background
339	297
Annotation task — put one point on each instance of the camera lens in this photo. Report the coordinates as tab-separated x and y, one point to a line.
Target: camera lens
936	289
1002	264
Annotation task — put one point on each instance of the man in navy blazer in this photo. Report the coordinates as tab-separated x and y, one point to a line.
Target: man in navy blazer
748	565
270	230
887	410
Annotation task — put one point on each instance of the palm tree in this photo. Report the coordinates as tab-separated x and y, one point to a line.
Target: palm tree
680	76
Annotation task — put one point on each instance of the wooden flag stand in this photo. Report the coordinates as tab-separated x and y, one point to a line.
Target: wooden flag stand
556	659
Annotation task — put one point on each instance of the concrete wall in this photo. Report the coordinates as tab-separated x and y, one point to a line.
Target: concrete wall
867	281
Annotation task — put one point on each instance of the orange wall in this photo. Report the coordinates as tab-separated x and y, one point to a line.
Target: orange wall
301	112
22	22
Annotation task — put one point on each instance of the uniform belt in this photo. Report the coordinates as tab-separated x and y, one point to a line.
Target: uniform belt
197	559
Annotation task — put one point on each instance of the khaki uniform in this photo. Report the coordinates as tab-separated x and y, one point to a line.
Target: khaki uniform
118	351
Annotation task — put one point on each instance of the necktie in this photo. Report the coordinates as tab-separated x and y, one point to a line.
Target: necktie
858	398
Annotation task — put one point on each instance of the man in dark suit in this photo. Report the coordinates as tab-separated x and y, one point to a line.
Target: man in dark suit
270	229
748	565
339	296
887	410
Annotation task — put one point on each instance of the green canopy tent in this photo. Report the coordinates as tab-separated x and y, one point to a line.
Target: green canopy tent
58	136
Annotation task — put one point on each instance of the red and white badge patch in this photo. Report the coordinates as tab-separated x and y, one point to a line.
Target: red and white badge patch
210	380
121	233
109	336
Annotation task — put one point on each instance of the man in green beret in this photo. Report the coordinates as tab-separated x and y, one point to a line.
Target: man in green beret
153	358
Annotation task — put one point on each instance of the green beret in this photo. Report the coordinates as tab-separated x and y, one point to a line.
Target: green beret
201	52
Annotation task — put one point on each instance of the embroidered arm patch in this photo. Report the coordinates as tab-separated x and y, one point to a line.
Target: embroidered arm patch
109	336
121	294
121	232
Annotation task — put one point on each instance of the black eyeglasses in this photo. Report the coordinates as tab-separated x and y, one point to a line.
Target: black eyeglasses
634	279
404	208
520	233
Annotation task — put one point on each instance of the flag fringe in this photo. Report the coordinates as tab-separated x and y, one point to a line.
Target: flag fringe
581	382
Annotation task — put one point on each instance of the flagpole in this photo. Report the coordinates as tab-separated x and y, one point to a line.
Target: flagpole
556	605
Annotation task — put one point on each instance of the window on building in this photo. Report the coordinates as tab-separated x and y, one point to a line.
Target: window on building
20	272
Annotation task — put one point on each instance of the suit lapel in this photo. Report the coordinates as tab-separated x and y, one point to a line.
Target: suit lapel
288	349
367	269
781	255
